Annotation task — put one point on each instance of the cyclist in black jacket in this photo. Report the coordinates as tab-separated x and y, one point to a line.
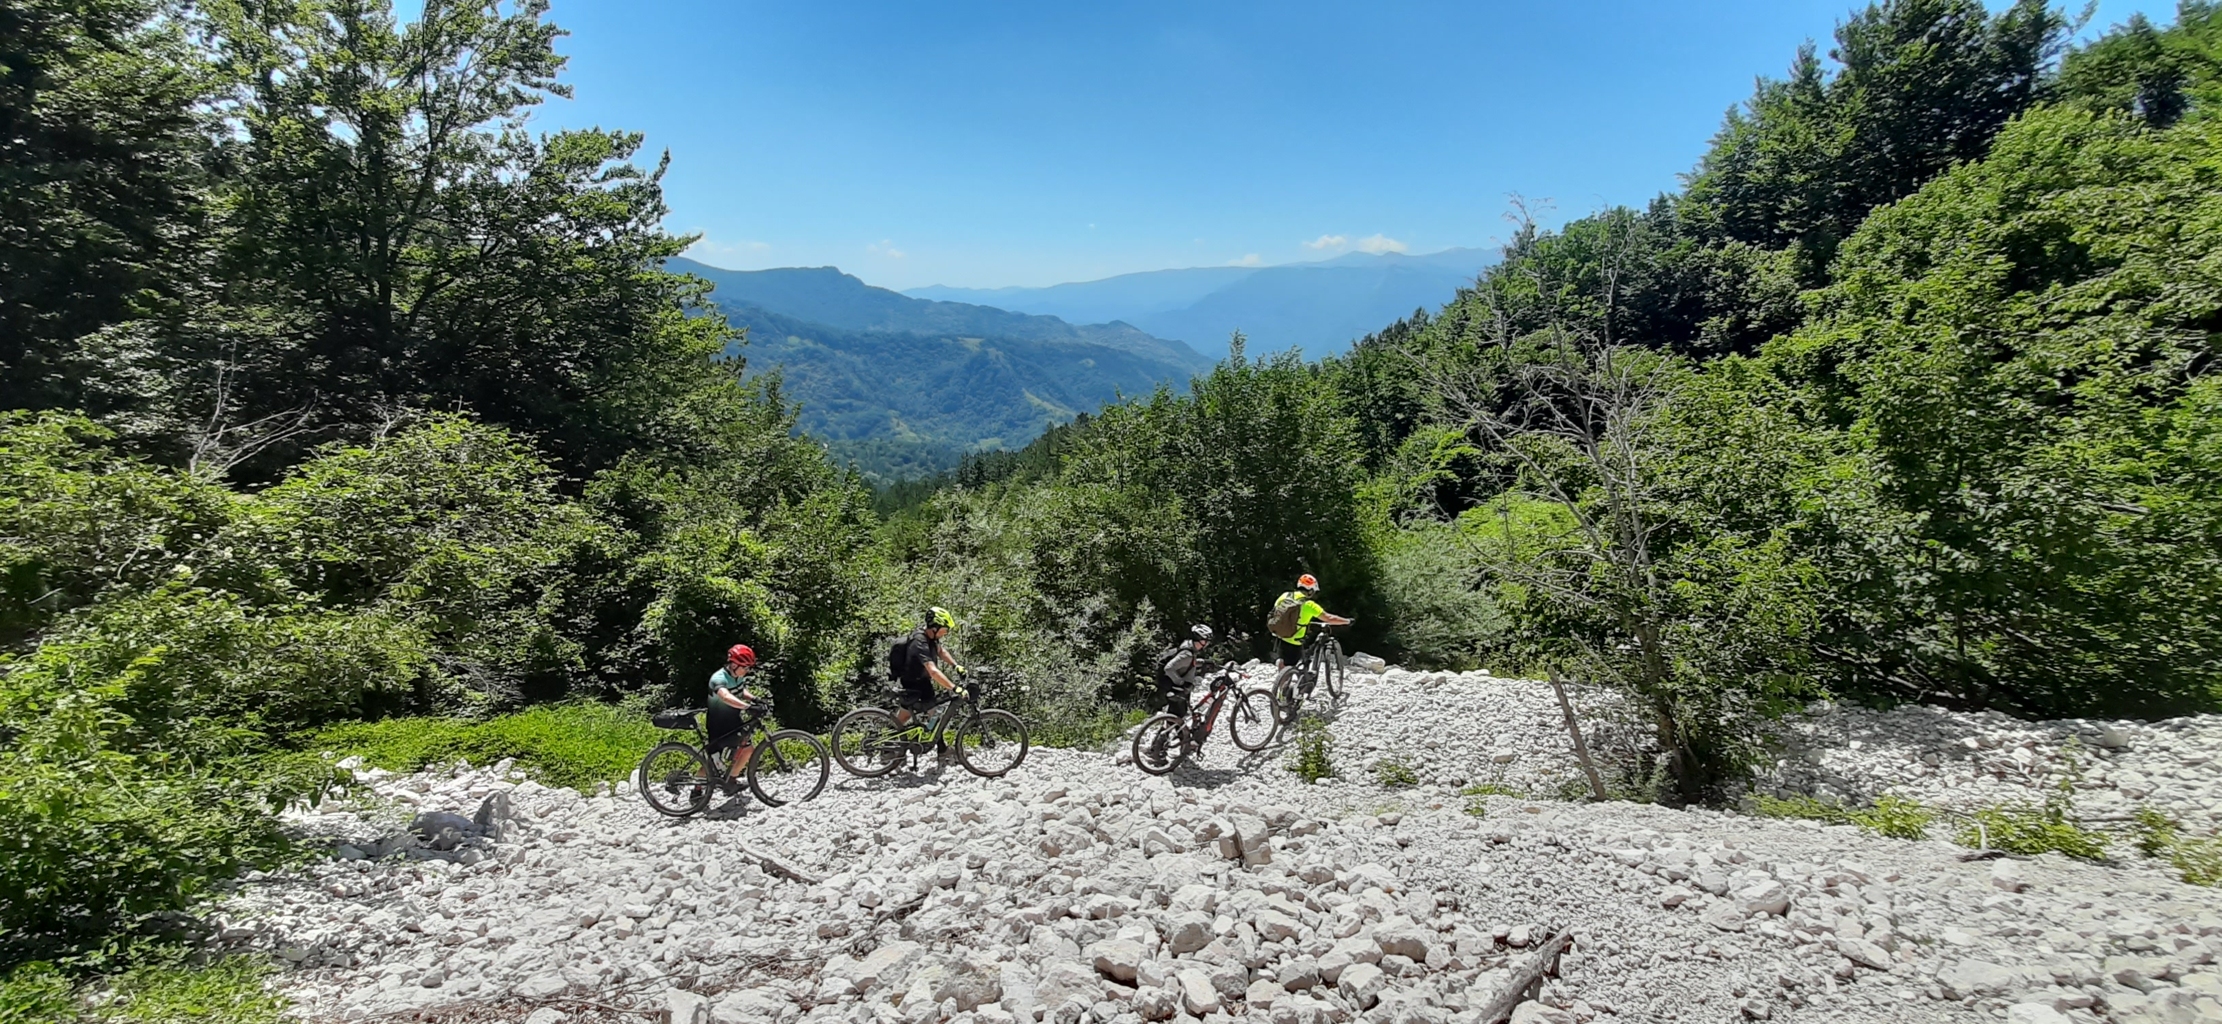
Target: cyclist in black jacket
916	668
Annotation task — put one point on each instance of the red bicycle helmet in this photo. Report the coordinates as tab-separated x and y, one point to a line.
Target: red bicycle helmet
1307	582
742	655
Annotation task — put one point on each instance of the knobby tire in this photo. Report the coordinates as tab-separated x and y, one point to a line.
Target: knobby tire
675	780
1252	721
864	743
1163	724
789	766
991	743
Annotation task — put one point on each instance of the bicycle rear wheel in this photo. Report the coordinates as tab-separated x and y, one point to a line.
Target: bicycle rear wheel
1253	720
789	766
991	743
1157	744
1286	696
864	743
675	780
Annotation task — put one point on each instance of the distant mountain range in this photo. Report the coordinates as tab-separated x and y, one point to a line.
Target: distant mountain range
904	386
1319	308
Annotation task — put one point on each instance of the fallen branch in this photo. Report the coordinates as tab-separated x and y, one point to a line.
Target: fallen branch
1527	981
777	867
1581	746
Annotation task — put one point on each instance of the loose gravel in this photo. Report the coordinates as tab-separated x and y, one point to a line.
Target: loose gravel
1079	889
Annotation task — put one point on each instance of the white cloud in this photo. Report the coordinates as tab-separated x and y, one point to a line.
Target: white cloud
886	248
711	248
1250	260
1378	244
1328	242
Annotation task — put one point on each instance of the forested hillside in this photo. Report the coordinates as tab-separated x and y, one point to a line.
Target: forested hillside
339	394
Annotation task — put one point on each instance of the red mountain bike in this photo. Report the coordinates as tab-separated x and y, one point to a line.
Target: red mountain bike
1166	739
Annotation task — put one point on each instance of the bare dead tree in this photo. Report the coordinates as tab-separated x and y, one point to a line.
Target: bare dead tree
1573	415
220	444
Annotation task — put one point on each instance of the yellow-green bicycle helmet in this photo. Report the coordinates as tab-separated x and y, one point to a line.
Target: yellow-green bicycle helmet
939	616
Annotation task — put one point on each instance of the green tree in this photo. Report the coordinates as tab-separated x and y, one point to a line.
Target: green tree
2022	353
103	174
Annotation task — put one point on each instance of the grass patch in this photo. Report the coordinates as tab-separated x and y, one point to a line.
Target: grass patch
576	745
165	990
1891	816
1492	789
1314	757
1089	732
2198	860
1394	774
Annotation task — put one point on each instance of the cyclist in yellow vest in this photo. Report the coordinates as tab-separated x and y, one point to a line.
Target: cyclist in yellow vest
1291	649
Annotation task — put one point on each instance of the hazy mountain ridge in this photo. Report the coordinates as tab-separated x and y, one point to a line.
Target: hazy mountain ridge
826	295
902	386
1316	307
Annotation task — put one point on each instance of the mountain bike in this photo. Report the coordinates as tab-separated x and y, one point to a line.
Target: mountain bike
679	779
1321	662
1166	739
989	742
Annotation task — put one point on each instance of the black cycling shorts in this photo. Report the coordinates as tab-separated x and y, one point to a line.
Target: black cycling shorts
727	727
915	697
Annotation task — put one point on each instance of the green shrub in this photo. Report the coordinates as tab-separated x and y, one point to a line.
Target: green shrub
164	987
35	993
1895	817
2032	830
1394	774
1314	757
576	745
2198	860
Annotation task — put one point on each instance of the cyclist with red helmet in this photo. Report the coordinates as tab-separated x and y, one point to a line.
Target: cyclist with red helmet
1291	648
732	706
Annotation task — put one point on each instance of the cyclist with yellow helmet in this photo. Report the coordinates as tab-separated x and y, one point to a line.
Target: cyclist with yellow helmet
916	665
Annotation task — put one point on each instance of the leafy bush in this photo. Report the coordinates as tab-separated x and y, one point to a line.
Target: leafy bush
36	993
101	842
2031	831
576	744
161	986
2198	860
1394	774
1314	756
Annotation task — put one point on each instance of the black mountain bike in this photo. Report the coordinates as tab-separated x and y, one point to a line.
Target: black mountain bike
1166	739
1321	662
679	779
989	742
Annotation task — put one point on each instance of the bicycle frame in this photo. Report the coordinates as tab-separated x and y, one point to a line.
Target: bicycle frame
1204	714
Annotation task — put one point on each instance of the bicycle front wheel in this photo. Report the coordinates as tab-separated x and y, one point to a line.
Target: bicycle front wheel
789	766
1253	720
991	743
864	743
1332	667
675	780
1157	744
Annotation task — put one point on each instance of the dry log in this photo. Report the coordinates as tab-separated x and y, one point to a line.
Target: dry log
1527	979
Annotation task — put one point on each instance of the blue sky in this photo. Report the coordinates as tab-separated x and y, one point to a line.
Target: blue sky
1032	143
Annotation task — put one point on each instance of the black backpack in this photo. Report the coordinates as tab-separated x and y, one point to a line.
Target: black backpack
895	658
